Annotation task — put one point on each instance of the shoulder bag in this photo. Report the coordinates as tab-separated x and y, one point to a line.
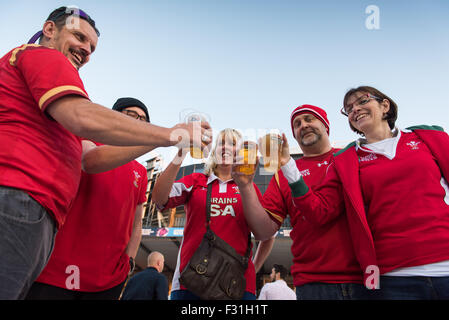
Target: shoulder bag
216	271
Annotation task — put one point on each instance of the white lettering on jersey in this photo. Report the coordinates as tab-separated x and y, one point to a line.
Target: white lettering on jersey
223	200
228	210
305	172
215	210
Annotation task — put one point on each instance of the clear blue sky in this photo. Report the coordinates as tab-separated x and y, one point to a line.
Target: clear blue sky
249	63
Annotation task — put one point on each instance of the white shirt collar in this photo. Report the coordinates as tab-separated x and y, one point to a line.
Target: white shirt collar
386	147
362	141
213	177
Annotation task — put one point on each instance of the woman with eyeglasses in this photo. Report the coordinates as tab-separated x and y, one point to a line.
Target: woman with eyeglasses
392	184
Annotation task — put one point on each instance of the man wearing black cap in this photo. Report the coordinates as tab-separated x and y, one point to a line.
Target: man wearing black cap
44	108
101	236
129	106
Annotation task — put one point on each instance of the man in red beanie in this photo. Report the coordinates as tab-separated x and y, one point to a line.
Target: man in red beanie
318	113
324	263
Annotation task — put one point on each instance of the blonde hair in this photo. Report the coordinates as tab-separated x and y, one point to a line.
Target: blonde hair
211	163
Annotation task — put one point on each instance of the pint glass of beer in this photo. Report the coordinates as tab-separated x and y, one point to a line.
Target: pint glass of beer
249	153
195	116
270	146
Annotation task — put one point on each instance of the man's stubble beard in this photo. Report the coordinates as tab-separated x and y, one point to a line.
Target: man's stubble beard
309	141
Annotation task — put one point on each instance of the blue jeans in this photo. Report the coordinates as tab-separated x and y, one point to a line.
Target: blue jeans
27	235
187	295
333	291
413	288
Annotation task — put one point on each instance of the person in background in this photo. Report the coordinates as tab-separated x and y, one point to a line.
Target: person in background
278	288
263	252
44	109
102	232
149	284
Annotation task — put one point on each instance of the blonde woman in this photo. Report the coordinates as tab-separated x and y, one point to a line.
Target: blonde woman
227	217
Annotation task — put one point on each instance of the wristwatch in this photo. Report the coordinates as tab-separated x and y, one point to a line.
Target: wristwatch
132	264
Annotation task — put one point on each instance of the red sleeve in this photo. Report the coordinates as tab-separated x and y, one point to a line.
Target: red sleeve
180	191
48	74
273	201
143	185
322	203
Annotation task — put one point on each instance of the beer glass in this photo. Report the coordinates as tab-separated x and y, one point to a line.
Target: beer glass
270	146
249	153
194	116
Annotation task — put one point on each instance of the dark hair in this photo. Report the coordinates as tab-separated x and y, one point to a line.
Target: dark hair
391	115
59	17
278	268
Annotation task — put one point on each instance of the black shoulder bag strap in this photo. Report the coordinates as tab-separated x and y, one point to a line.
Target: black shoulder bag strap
208	196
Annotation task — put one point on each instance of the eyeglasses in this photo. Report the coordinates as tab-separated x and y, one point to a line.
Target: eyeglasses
360	101
135	115
55	15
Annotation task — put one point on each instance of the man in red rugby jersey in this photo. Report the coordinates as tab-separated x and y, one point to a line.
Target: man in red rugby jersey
44	109
324	263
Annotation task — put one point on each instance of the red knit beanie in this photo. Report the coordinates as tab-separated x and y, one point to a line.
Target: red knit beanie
319	113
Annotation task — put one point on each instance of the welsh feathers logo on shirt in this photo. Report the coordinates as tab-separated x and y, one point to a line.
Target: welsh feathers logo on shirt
369	157
413	145
137	177
236	189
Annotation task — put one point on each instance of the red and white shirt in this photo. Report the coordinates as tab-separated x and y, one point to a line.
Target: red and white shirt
407	202
320	253
38	155
98	230
227	219
396	201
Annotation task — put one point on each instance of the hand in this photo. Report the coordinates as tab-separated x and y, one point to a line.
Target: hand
186	135
242	180
285	152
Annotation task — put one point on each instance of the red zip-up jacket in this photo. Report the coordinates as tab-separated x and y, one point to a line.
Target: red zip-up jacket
343	193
